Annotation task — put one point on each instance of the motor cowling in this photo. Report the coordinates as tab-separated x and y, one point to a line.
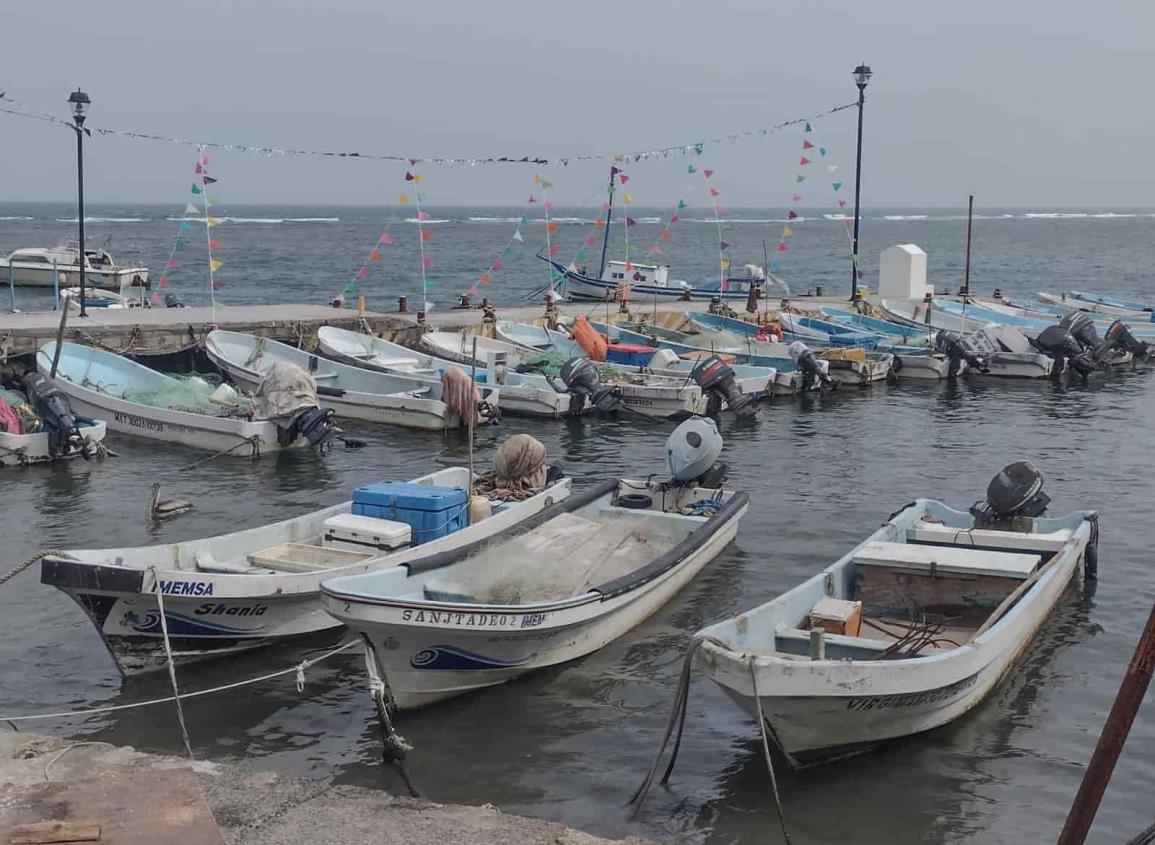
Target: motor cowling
52	406
1014	498
716	379
171	300
808	364
1118	336
580	377
1081	327
1062	346
315	424
692	452
958	351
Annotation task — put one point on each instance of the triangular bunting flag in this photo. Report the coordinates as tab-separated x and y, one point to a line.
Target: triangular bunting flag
178	244
426	262
531	199
517	236
547	205
423	215
806	145
384	239
691	169
413	162
486	278
591	240
781	247
403	198
787	231
627	199
155	299
200	168
631	221
551	226
674	218
822	151
218	284
714	192
599	223
836	185
213	243
552	249
795	198
698	148
426	234
191	208
351	287
417	177
804	160
681	205
497	265
707	173
842	203
374	254
580	255
623	178
163	282
185	224
408	176
723	245
362	273
793	215
808	127
507	251
209	180
214	265
537	178
196	189
800	178
212	221
170	263
775	264
665	235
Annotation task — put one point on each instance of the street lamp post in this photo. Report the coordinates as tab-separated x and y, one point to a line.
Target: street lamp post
80	102
862	76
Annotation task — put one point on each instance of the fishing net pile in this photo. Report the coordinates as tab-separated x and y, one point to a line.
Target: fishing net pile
519	469
549	364
194	393
16	415
285	389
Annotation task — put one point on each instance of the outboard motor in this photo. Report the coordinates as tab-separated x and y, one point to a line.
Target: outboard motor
171	300
716	379
1081	327
1062	346
580	377
1118	336
1014	498
52	406
810	367
957	350
315	424
692	453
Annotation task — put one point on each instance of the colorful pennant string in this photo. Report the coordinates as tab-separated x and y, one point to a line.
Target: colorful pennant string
517	237
723	262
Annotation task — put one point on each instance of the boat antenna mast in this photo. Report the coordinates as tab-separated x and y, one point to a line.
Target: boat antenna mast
609	217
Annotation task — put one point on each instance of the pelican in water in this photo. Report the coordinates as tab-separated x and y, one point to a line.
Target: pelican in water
160	508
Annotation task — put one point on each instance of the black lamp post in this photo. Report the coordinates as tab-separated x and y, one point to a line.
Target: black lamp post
80	102
862	76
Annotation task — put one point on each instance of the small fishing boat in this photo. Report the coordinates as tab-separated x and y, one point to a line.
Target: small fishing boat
457	346
257	587
1071	302
1113	302
646	280
907	631
38	425
99	298
567	582
924	315
520	394
351	391
814	330
893	334
134	399
59	265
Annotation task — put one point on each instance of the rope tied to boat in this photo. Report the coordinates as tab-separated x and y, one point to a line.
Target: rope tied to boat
169	660
394	746
253	441
16	570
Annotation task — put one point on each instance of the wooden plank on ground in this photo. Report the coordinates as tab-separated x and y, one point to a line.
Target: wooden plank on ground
42	833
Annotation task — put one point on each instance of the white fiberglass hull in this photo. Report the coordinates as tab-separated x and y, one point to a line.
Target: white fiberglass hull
212	613
43	276
21	449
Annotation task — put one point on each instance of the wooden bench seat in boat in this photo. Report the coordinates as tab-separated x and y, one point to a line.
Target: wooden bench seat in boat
931	532
947	560
300	557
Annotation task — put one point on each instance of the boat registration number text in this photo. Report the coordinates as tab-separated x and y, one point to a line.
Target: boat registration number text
466	619
138	422
911	699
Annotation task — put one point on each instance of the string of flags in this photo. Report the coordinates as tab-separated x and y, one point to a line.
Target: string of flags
16	108
193	213
210	221
414	177
627	221
665	234
362	273
517	237
713	193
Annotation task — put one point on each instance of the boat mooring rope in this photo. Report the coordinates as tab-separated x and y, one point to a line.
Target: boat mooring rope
394	745
16	570
677	722
253	441
171	665
297	669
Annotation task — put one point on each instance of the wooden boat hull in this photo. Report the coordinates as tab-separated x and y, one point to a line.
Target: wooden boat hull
428	654
212	614
23	449
819	710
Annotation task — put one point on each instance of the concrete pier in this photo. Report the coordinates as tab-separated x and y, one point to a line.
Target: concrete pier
146	798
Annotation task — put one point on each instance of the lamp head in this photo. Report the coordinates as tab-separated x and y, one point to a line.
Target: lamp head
862	75
79	102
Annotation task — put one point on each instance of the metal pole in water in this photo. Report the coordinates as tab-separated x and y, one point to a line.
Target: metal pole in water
1111	740
967	271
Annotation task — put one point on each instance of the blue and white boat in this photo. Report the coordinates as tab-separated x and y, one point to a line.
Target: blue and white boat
1112	301
1072	302
840	664
892	333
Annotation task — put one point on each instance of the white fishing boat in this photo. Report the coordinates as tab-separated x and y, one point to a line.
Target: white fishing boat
574	578
910	629
59	265
922	365
458	346
37	425
520	394
917	312
351	391
257	587
99	298
851	366
1077	304
1007	353
134	399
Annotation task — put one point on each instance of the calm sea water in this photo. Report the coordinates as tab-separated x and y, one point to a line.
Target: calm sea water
570	744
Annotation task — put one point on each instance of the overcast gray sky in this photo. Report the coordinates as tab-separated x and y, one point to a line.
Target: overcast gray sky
1026	103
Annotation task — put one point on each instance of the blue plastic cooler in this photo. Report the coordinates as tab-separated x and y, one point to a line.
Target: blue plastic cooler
430	511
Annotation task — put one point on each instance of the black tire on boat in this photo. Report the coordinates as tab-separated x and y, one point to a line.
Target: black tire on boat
635	501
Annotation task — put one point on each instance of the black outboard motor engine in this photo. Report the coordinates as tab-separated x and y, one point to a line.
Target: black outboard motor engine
716	379
52	406
1118	336
1062	346
807	363
1014	498
956	349
580	377
1081	327
171	300
315	424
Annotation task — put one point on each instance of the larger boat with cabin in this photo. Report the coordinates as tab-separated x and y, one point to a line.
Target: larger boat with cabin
60	266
